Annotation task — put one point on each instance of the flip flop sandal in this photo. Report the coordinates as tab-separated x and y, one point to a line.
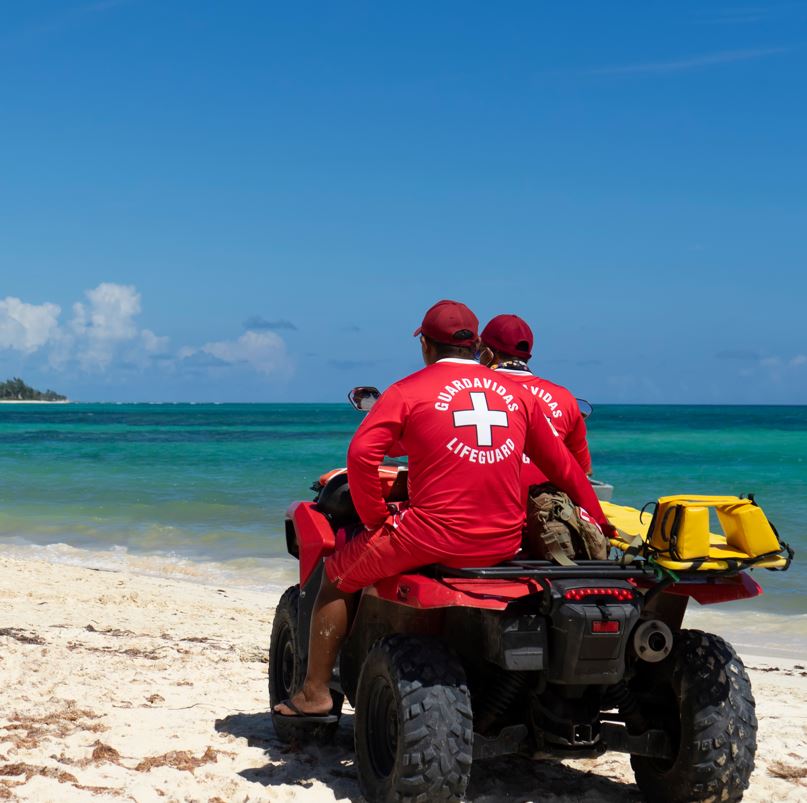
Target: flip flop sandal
302	716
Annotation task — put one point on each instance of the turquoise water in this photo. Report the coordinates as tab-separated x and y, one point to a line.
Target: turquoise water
202	489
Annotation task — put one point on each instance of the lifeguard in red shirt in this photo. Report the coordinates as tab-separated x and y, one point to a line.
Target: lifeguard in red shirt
507	348
464	428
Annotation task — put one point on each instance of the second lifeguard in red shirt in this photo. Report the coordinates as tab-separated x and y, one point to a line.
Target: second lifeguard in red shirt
507	347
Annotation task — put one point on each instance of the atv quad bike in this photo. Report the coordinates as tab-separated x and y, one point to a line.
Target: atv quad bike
447	666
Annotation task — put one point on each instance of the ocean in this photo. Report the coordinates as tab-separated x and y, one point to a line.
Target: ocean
199	491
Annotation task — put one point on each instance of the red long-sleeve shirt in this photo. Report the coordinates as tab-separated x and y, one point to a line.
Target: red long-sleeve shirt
563	413
464	428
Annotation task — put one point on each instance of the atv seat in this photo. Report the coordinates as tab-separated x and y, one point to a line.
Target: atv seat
334	499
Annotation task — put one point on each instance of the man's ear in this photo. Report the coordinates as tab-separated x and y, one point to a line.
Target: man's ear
424	349
486	356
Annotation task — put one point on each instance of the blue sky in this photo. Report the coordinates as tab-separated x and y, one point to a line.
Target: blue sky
257	201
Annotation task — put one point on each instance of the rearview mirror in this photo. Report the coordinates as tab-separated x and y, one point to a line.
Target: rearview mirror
585	408
363	398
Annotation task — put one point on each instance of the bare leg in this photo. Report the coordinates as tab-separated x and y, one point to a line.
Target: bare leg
329	626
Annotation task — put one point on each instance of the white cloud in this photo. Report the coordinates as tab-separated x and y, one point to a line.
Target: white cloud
265	352
27	327
110	313
103	328
103	333
105	321
153	344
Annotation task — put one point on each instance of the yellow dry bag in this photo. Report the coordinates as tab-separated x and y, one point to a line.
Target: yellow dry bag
680	527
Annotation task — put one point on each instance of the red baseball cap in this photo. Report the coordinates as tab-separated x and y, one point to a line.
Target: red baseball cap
510	335
451	323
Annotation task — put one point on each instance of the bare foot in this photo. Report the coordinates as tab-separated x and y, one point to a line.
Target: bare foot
306	703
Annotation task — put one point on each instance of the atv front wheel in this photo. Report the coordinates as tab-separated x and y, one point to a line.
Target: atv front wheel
701	695
414	726
287	672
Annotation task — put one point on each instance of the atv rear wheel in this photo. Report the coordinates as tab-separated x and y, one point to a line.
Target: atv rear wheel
701	695
414	726
287	672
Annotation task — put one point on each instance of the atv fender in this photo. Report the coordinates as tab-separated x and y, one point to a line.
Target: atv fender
314	537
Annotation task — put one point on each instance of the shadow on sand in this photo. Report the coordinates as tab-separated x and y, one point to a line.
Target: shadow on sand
297	764
511	778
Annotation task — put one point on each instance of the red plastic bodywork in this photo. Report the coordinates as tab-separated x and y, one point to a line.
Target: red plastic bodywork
418	591
316	540
718	589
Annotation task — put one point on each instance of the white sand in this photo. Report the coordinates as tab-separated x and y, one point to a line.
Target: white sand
124	687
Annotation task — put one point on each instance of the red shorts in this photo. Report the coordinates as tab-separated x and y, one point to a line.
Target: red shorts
375	554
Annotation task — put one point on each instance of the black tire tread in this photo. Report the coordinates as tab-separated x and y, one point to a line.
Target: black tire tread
286	611
288	730
435	748
718	725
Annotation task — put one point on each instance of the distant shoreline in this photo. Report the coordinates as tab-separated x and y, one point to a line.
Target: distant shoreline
34	401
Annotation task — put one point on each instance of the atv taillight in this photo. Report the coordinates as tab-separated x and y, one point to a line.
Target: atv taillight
584	594
605	626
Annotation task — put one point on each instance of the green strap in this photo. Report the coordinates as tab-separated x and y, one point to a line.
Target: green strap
663	571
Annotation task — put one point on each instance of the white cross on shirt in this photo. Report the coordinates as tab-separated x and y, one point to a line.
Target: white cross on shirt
482	418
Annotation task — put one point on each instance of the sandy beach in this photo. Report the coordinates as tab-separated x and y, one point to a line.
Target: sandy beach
125	687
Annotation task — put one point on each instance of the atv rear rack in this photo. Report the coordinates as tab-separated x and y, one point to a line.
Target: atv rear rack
544	569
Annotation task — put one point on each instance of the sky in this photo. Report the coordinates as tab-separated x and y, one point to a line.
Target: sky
257	201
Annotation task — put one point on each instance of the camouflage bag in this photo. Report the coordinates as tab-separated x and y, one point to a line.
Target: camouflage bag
559	531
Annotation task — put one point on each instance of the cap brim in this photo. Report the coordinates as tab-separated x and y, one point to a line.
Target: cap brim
417	331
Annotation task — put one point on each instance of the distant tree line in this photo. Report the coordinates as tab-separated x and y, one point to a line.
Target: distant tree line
16	390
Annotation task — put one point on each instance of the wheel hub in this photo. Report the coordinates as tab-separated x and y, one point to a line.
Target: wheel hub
383	728
285	664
